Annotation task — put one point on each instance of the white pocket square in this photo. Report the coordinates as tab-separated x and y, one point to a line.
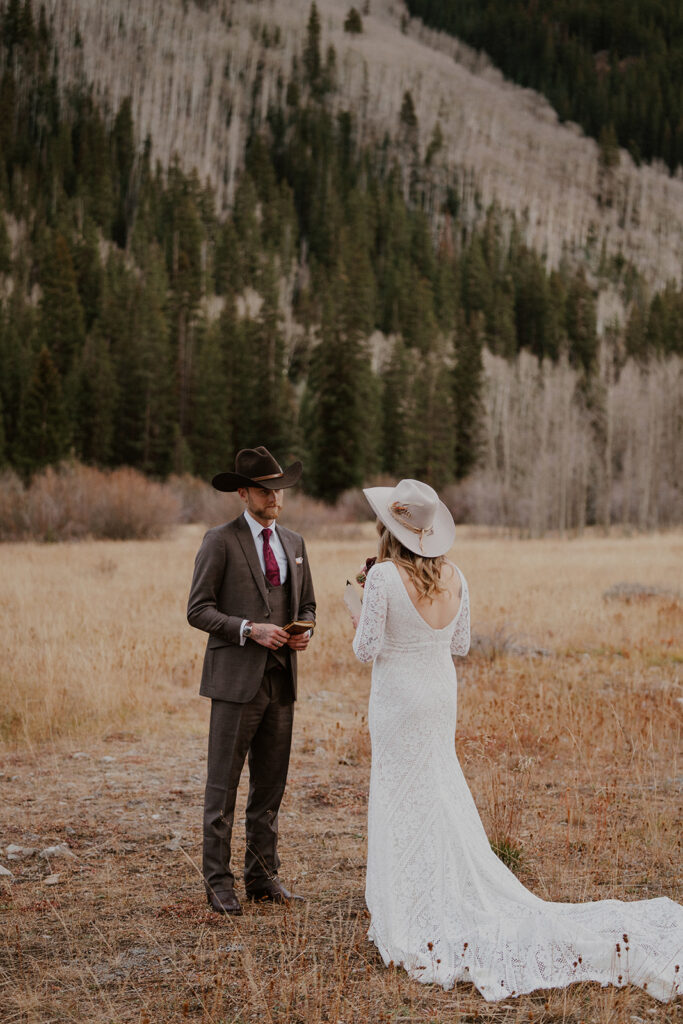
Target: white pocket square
300	560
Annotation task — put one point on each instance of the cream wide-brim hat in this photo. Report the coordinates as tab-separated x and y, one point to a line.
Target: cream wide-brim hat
413	512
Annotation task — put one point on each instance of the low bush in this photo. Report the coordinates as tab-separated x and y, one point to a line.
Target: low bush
202	503
73	501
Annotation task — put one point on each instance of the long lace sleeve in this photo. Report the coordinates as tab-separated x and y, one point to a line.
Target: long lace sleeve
460	640
367	642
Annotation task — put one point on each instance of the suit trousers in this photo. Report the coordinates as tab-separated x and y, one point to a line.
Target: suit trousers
262	728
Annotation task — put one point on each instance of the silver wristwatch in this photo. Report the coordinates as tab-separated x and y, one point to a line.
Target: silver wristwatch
247	629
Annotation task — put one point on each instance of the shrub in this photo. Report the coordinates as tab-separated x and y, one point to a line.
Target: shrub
202	503
73	501
12	506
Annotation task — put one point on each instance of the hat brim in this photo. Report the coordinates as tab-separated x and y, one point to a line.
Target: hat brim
233	481
438	542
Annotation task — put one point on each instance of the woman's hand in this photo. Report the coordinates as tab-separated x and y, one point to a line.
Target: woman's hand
365	568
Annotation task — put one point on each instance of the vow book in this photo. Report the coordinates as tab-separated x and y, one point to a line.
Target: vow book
352	599
298	626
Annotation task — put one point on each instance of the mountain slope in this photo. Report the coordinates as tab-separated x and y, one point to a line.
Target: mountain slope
614	68
192	72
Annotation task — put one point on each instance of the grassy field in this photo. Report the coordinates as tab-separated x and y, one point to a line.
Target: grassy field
569	727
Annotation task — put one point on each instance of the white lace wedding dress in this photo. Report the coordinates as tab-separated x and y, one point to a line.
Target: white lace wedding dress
441	902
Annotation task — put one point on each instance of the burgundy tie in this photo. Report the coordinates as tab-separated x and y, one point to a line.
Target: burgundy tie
272	568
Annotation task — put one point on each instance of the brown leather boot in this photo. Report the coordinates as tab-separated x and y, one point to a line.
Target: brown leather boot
224	901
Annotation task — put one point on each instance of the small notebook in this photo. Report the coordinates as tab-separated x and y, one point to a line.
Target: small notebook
352	599
298	626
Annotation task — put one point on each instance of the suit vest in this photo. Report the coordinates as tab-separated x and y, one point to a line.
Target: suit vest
278	602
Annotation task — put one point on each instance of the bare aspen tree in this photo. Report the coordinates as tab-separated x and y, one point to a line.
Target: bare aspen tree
545	467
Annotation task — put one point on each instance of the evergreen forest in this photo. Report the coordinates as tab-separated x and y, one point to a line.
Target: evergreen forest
324	313
613	66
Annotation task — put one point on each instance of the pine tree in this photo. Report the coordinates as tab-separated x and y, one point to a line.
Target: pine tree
27	26
11	24
43	431
329	81
17	358
62	322
184	236
227	261
93	163
336	418
665	322
271	398
531	303
312	59
211	441
446	290
123	145
408	124
353	23
399	415
357	299
247	229
239	360
95	403
115	325
88	271
154	368
477	285
467	388
501	334
434	426
134	325
581	323
5	247
416	311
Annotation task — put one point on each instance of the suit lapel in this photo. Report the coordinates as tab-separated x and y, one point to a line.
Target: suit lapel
246	539
294	581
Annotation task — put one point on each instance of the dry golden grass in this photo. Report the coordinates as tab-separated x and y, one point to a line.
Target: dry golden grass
571	757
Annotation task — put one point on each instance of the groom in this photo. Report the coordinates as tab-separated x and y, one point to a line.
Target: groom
251	578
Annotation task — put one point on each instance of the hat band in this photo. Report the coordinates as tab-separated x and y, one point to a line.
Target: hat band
271	476
399	511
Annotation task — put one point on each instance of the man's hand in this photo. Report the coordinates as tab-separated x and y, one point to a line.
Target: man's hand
299	642
268	635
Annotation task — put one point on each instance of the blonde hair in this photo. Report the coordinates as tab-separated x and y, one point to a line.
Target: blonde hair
424	573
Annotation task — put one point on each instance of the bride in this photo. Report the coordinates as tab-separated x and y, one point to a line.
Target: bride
441	902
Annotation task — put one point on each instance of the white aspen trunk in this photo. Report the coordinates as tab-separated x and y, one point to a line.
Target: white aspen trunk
541	448
606	504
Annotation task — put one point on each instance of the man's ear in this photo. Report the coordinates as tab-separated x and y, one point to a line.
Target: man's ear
243	493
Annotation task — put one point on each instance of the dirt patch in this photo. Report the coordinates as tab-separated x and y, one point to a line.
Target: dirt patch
125	934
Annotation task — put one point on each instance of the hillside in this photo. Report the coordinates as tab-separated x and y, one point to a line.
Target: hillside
615	68
192	71
326	278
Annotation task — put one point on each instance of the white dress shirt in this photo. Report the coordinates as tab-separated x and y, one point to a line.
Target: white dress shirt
277	549
275	544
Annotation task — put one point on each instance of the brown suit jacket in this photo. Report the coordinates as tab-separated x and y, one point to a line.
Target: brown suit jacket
228	586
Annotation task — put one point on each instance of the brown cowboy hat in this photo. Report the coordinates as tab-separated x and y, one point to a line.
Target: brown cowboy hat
256	467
